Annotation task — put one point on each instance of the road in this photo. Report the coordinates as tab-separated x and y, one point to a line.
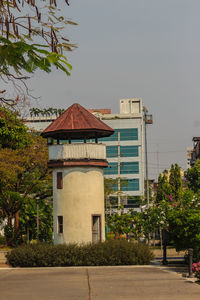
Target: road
96	283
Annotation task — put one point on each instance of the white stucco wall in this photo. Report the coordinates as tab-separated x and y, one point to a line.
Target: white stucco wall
81	197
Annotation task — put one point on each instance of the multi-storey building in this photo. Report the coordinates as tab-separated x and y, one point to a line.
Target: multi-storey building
125	152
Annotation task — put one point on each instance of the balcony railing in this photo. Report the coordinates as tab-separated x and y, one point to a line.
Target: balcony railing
77	151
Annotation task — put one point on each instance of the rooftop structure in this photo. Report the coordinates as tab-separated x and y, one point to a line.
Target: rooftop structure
77	123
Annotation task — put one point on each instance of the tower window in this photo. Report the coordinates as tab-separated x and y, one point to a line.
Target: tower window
60	224
59	180
96	228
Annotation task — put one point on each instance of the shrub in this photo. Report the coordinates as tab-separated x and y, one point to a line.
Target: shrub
2	240
109	253
196	270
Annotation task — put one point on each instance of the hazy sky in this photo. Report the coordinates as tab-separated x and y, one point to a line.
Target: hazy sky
135	48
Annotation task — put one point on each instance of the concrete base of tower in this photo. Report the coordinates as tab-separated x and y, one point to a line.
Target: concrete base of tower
78	204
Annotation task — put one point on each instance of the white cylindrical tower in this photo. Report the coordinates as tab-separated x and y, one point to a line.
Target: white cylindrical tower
78	182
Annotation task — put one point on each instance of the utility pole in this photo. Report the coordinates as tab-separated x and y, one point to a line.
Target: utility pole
147	120
157	156
37	207
146	162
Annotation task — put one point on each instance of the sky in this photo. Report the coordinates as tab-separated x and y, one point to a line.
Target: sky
135	48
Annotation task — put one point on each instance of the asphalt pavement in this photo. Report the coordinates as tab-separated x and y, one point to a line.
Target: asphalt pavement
96	283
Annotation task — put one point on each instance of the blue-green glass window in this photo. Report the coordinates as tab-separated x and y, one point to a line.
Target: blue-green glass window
132	185
129	167
125	151
112	169
128	185
129	151
126	134
125	168
111	151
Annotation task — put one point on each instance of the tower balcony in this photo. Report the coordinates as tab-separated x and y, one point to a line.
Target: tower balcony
77	154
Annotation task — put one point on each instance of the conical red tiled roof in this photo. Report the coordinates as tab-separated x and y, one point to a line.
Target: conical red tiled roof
76	123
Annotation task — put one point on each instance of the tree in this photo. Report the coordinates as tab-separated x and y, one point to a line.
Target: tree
23	174
120	224
109	184
136	226
23	24
46	112
111	190
13	133
175	182
28	216
193	177
164	189
184	227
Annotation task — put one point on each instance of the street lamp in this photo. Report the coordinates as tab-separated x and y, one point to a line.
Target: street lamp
147	120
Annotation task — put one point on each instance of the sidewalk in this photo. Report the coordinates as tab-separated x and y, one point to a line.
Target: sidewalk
3	259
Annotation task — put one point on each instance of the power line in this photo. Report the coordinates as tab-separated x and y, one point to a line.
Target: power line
175	151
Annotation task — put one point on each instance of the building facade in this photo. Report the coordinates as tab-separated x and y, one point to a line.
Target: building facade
193	153
125	151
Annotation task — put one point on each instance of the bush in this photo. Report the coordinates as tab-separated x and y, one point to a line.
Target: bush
109	253
2	240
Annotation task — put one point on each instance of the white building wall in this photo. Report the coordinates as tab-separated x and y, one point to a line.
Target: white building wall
77	151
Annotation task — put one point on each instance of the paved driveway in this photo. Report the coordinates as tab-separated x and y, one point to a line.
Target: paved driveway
98	283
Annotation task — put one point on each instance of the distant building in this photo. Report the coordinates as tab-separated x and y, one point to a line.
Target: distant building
189	153
125	148
193	153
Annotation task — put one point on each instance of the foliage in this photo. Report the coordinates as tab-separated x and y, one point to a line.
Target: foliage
170	188
28	215
120	224
128	223
154	218
109	189
193	177
46	111
164	189
2	240
23	25
21	170
100	254
175	182
184	228
13	133
24	174
28	58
